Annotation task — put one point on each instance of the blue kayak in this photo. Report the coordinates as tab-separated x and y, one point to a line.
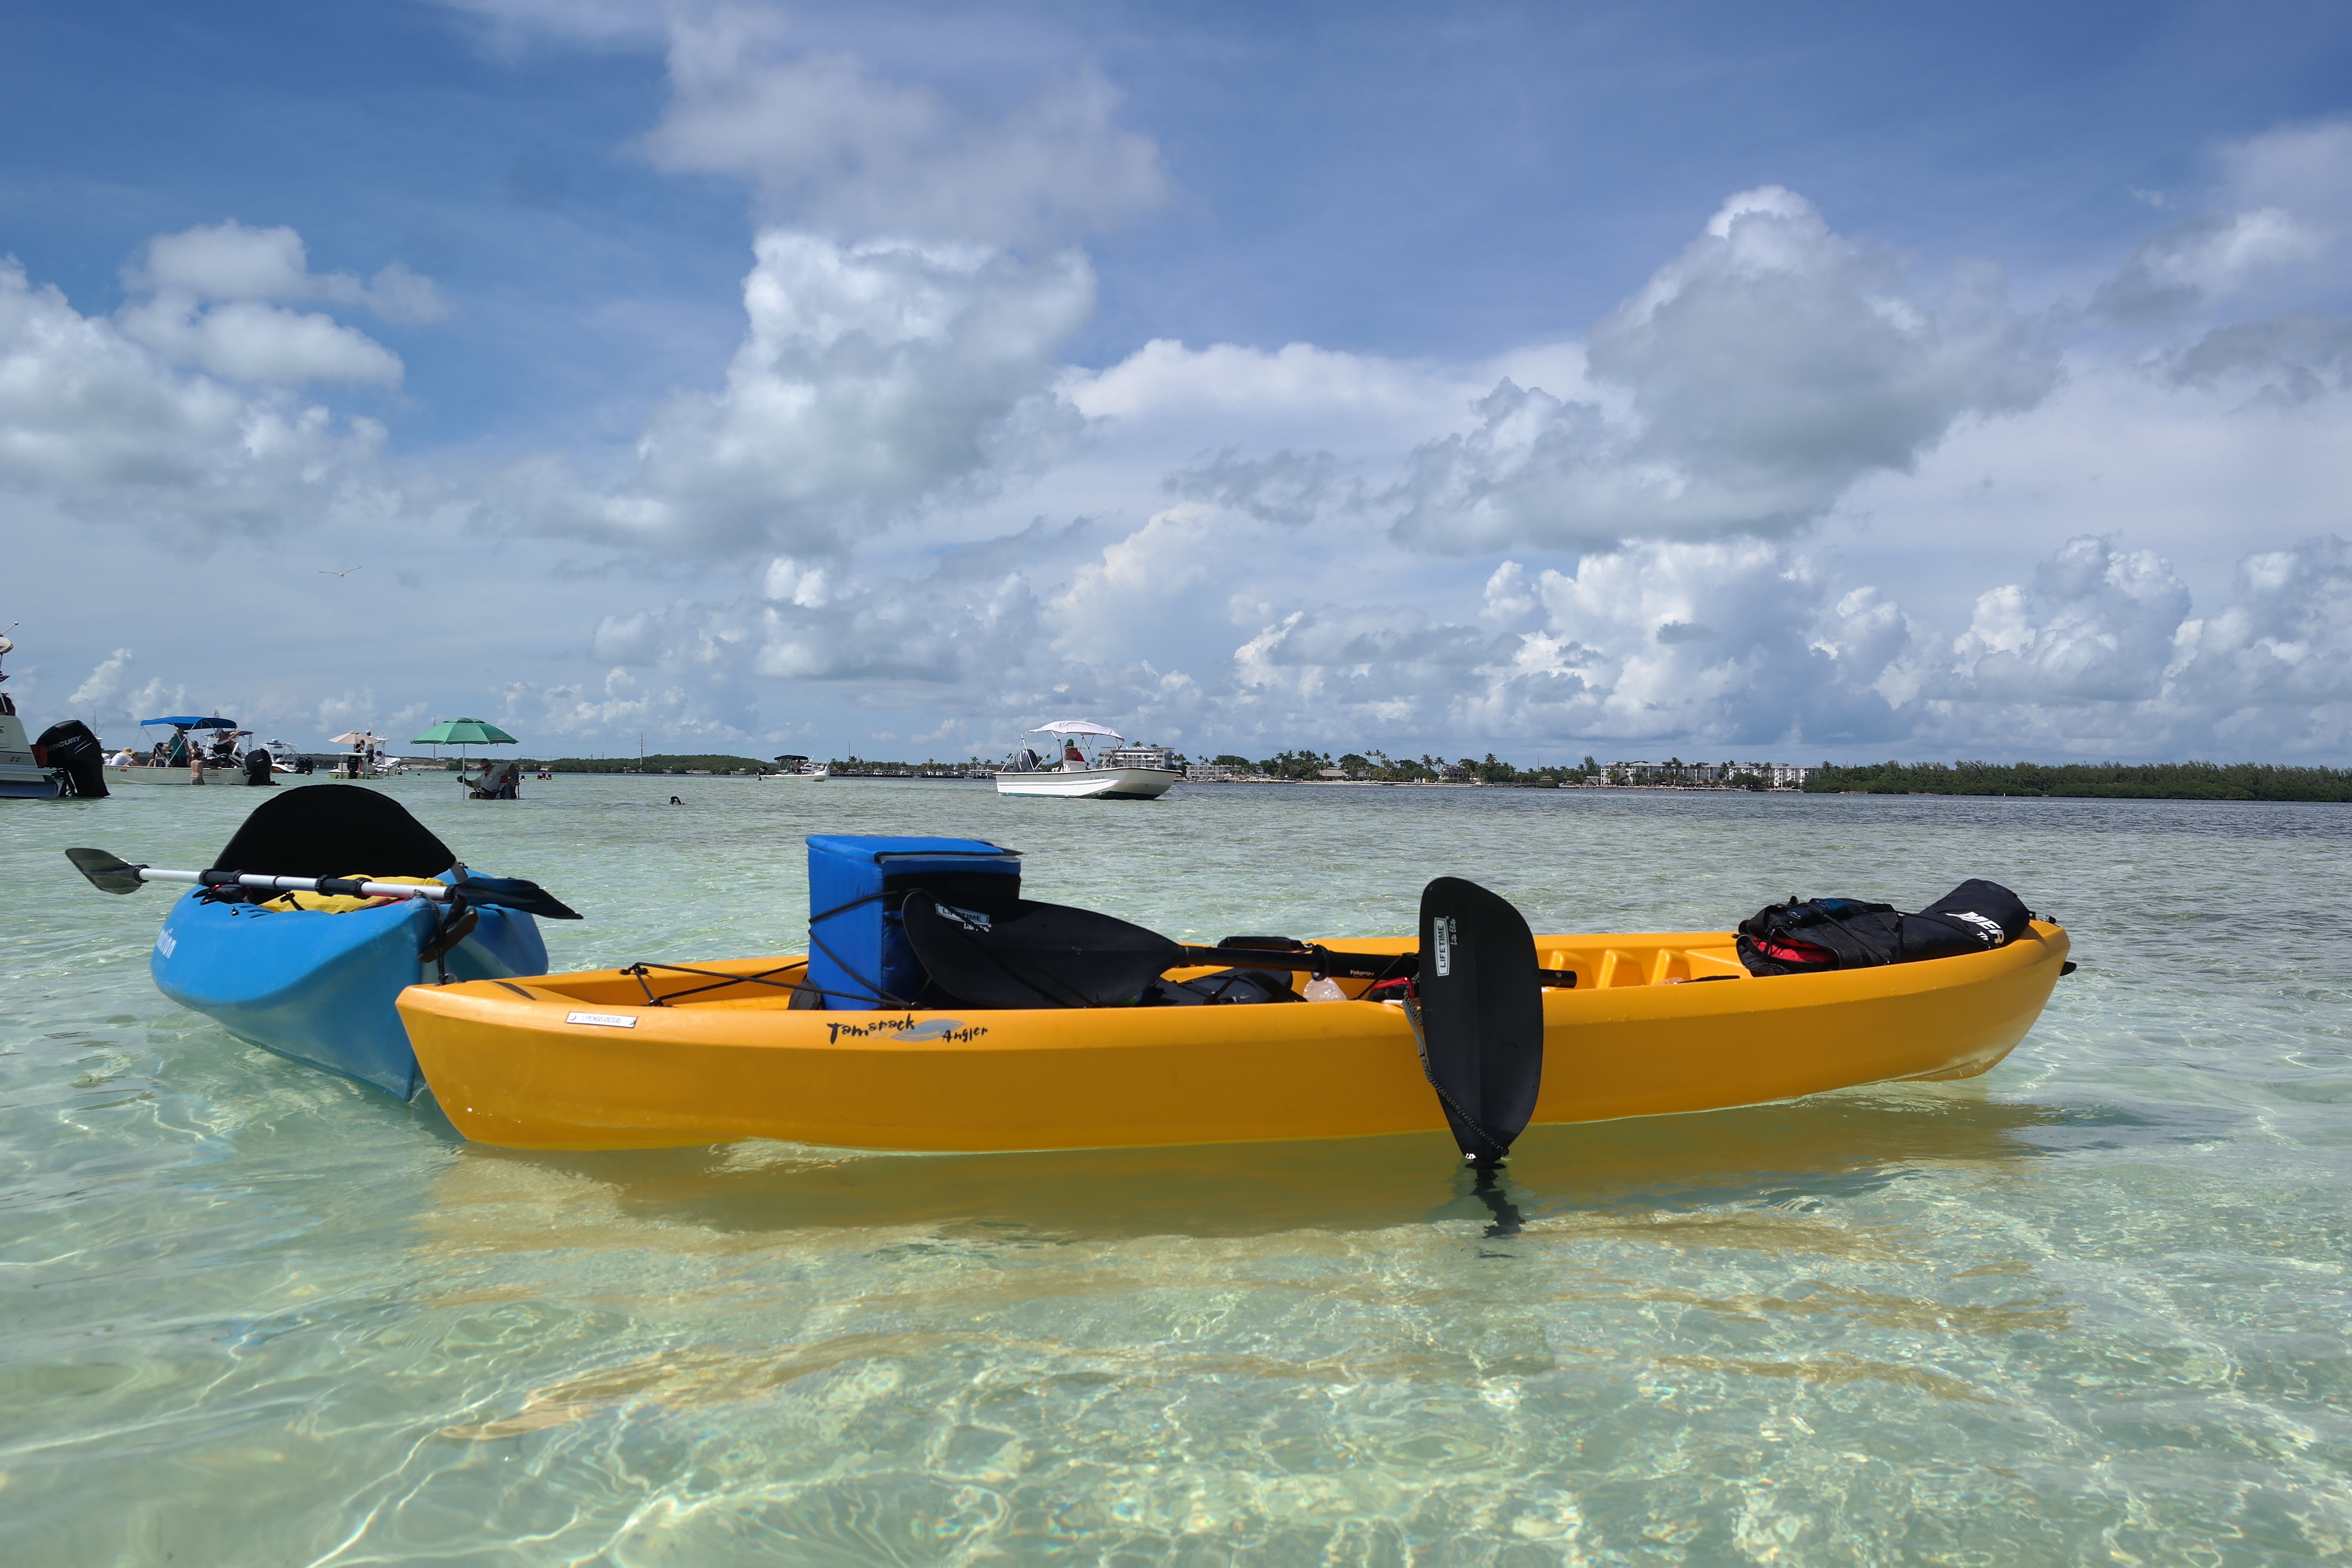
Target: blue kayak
317	986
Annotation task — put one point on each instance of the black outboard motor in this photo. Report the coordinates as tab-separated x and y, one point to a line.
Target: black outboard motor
70	745
256	767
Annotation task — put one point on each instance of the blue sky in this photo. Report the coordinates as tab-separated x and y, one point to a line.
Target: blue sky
1799	380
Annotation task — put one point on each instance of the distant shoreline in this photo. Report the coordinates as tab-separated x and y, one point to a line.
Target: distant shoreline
2070	780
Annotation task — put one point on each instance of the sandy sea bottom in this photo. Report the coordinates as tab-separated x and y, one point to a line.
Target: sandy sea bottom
2090	1308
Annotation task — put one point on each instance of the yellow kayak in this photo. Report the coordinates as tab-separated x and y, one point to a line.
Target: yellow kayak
659	1056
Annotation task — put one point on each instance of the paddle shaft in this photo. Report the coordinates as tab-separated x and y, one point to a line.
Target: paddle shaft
112	874
1322	960
438	893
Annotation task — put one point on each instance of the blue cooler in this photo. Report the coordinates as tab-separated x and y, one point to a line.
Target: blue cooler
858	956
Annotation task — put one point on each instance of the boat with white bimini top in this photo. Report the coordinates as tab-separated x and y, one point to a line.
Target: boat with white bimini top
1116	771
796	769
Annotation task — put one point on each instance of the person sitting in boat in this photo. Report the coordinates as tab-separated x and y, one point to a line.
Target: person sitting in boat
1074	761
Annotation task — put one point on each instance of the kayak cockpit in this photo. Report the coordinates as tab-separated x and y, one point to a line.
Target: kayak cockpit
769	984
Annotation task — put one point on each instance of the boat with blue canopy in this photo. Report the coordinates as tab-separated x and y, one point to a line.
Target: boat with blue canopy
196	744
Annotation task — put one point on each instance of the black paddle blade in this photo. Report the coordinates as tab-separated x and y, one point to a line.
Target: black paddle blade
107	873
1480	1015
515	893
1015	954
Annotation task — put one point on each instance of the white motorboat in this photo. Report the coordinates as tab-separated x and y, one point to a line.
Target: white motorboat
798	769
23	775
365	760
145	769
283	758
1114	772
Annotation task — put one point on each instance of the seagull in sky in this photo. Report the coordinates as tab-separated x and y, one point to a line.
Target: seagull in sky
324	573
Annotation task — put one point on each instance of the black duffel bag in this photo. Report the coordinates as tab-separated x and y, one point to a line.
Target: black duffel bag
1811	936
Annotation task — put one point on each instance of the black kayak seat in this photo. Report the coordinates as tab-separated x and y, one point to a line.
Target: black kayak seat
1015	953
333	830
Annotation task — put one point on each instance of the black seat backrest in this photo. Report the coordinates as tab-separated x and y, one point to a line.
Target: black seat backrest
333	830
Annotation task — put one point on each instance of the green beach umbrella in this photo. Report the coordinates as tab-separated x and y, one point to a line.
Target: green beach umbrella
463	732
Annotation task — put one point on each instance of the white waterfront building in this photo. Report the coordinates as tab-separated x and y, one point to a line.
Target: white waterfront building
1704	775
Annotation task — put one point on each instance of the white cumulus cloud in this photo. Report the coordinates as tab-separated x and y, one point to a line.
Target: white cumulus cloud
831	146
245	340
2097	625
96	694
876	377
2274	226
216	298
229	260
1752	382
98	424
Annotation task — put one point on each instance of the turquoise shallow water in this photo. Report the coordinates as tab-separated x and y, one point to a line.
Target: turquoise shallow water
2090	1308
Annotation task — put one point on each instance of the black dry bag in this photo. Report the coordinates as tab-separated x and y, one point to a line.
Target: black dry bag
1815	935
1975	917
1810	936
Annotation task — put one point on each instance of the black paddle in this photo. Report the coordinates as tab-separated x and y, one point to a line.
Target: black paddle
112	874
1479	1016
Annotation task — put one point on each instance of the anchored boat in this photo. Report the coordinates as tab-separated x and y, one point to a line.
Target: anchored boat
198	748
796	769
66	760
1114	772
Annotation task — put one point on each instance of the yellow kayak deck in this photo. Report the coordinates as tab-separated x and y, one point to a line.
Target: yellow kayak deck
656	1056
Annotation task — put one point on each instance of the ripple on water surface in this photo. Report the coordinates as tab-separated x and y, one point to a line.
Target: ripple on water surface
2088	1308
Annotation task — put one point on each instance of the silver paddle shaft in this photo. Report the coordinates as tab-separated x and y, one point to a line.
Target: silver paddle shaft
438	893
